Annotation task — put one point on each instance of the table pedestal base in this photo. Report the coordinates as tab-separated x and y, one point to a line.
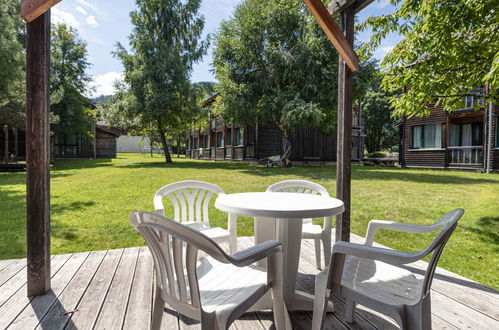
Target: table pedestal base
288	232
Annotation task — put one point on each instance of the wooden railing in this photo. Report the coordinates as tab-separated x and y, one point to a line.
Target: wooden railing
472	155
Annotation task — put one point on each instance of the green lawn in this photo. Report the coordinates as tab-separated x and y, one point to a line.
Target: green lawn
91	201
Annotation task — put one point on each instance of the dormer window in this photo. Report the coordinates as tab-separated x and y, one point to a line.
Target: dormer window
469	101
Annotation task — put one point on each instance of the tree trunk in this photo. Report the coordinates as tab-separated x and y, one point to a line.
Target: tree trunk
162	134
178	148
151	146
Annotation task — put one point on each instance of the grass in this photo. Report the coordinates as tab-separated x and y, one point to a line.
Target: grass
91	200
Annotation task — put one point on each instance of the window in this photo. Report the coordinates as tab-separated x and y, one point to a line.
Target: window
466	134
196	143
469	101
220	139
229	137
239	137
66	145
206	141
497	132
427	136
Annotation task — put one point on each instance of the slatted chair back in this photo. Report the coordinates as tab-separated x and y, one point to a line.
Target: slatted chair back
298	186
190	200
174	248
447	224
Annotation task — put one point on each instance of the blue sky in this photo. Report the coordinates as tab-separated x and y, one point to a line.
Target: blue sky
104	23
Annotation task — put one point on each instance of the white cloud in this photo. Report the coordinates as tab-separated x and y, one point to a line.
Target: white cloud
103	84
92	7
382	4
387	50
92	21
81	10
63	17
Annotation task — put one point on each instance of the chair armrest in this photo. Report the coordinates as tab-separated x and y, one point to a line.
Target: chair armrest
393	257
397	226
255	253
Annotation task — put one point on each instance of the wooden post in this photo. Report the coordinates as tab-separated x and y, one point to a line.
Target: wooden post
6	151
16	143
38	154
344	149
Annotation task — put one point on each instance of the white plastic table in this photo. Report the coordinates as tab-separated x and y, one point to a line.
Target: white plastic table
279	216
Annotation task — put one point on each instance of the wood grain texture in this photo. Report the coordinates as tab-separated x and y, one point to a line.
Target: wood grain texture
457	303
38	154
344	149
334	34
336	6
57	317
32	9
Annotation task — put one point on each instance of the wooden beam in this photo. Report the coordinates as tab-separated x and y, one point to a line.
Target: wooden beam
336	6
334	33
344	148
38	154
31	9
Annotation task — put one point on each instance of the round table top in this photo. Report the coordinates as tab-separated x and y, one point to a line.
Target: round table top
282	205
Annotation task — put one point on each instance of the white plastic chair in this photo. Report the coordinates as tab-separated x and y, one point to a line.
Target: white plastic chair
217	290
309	230
190	201
373	276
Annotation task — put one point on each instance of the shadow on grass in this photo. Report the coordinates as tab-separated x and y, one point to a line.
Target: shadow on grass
320	173
487	230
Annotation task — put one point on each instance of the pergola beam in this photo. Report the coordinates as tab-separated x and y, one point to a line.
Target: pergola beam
31	9
334	33
337	6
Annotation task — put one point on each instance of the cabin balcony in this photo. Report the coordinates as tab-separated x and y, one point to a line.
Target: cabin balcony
465	156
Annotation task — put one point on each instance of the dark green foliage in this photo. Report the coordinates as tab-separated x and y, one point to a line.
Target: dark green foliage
12	64
165	44
71	110
274	64
449	49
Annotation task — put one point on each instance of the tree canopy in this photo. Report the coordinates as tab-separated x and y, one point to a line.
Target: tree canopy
275	64
165	44
449	49
69	107
12	63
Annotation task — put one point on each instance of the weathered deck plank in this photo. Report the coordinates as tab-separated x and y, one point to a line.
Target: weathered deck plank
39	306
114	289
138	314
112	314
18	302
91	303
58	316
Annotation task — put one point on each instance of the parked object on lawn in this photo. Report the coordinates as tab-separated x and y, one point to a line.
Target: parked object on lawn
309	230
222	287
383	162
373	276
190	200
278	160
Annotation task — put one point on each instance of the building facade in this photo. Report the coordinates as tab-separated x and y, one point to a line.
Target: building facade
464	139
257	142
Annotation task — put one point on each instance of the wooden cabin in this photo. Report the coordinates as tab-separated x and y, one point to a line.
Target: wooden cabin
252	143
456	140
102	144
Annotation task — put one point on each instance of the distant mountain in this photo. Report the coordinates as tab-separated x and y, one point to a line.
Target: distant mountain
100	99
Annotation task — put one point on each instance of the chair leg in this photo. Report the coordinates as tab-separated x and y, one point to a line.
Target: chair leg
350	313
318	253
321	301
326	242
158	309
418	317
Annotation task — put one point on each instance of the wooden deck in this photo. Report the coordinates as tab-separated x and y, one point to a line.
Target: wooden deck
113	289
